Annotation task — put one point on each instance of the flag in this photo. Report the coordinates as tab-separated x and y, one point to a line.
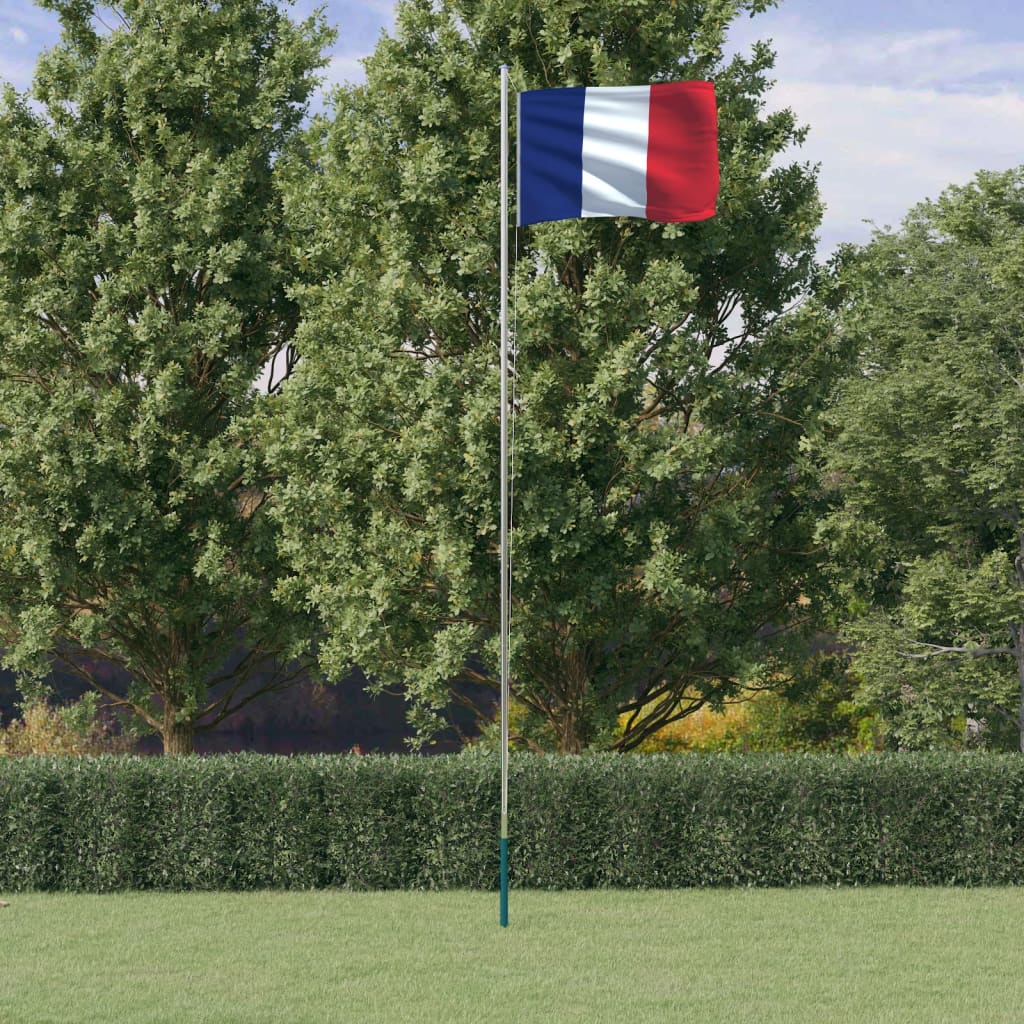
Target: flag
646	151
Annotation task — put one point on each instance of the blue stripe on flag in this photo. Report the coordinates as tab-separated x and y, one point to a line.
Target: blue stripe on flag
550	179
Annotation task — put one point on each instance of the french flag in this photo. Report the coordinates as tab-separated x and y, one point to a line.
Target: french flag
646	151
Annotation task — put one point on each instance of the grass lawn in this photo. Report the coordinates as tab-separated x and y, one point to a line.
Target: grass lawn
787	956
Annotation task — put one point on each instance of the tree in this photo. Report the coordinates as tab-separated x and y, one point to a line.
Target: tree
924	457
144	259
661	543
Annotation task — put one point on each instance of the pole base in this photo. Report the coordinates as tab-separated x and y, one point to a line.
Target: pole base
504	883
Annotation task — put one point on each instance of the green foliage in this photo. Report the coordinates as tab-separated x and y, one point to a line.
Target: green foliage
643	821
817	710
144	258
923	453
662	522
527	730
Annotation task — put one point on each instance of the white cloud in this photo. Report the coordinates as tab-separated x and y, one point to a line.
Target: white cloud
344	68
957	60
894	118
384	8
25	30
883	150
15	70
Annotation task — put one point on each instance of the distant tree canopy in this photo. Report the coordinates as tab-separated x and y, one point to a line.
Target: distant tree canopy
144	258
662	553
168	226
924	455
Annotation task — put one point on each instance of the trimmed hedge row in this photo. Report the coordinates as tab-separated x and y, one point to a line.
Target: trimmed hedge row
656	821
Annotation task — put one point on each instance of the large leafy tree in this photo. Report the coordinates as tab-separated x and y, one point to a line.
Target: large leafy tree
143	270
924	454
660	542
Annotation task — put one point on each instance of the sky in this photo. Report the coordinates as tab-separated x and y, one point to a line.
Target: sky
902	97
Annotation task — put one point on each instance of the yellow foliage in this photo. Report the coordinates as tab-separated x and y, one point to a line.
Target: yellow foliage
704	730
826	718
48	730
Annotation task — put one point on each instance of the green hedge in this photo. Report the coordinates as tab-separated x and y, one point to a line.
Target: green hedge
654	821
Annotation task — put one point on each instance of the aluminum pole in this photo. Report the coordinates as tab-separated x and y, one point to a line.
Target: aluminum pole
505	581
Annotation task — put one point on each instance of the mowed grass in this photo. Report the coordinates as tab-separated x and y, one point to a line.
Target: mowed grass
708	956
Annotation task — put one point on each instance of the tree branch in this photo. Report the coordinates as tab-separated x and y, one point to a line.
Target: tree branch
937	650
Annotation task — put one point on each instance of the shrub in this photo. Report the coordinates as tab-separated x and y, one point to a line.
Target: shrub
77	728
603	820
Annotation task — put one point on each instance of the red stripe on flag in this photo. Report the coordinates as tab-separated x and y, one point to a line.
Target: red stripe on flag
682	152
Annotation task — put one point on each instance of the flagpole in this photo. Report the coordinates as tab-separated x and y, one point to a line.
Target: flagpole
505	581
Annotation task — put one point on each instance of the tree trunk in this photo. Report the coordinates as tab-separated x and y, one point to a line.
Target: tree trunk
178	737
1017	632
569	729
1018	650
571	742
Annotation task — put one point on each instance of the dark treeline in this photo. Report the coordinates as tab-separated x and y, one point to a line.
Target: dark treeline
307	719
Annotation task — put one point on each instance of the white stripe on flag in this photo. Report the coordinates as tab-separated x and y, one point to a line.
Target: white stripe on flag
615	123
